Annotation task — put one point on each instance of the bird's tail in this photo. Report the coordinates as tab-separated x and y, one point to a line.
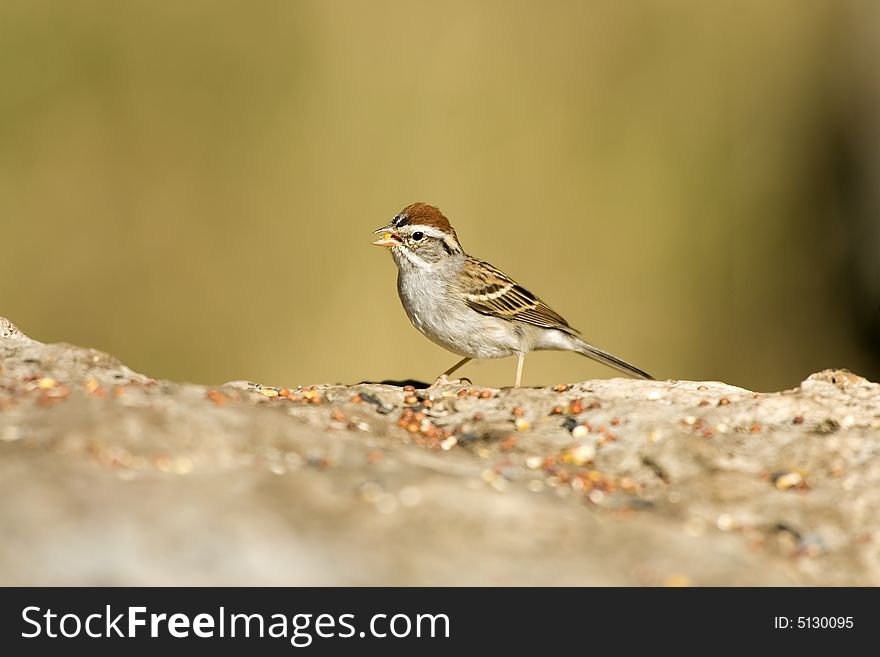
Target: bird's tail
612	361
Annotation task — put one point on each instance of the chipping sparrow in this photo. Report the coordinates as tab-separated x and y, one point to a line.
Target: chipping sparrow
467	306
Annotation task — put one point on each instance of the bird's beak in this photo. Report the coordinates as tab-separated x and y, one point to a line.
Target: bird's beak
389	237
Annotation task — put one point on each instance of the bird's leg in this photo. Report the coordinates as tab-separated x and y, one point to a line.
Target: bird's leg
519	365
443	379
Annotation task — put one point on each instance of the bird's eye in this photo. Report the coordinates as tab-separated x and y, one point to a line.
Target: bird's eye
418	235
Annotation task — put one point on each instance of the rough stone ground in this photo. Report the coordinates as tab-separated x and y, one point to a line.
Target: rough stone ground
110	477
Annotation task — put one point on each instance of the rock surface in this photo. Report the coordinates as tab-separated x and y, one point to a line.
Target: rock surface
108	477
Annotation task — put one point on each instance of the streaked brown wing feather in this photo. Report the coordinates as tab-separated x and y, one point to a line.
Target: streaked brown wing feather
495	293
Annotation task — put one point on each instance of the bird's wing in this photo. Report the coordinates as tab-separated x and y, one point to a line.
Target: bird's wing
492	292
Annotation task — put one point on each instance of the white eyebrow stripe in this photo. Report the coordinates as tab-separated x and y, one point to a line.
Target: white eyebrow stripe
430	231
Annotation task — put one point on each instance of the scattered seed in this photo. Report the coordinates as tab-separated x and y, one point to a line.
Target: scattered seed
786	480
449	443
607	438
725	522
579	455
580	431
508	443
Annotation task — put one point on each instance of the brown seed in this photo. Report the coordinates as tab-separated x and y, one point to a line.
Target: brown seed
427	403
408	388
560	387
704	402
357	399
615	421
724	401
410	399
557	410
594	405
798	419
518	411
485	394
755	428
217	397
702	388
413	427
508	443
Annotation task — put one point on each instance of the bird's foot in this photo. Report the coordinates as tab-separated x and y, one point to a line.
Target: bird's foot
443	380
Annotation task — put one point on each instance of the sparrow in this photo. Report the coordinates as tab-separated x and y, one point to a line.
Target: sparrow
469	307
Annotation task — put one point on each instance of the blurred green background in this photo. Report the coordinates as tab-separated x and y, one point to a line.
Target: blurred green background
192	186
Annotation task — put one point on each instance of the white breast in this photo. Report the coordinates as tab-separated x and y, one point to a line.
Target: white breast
450	323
